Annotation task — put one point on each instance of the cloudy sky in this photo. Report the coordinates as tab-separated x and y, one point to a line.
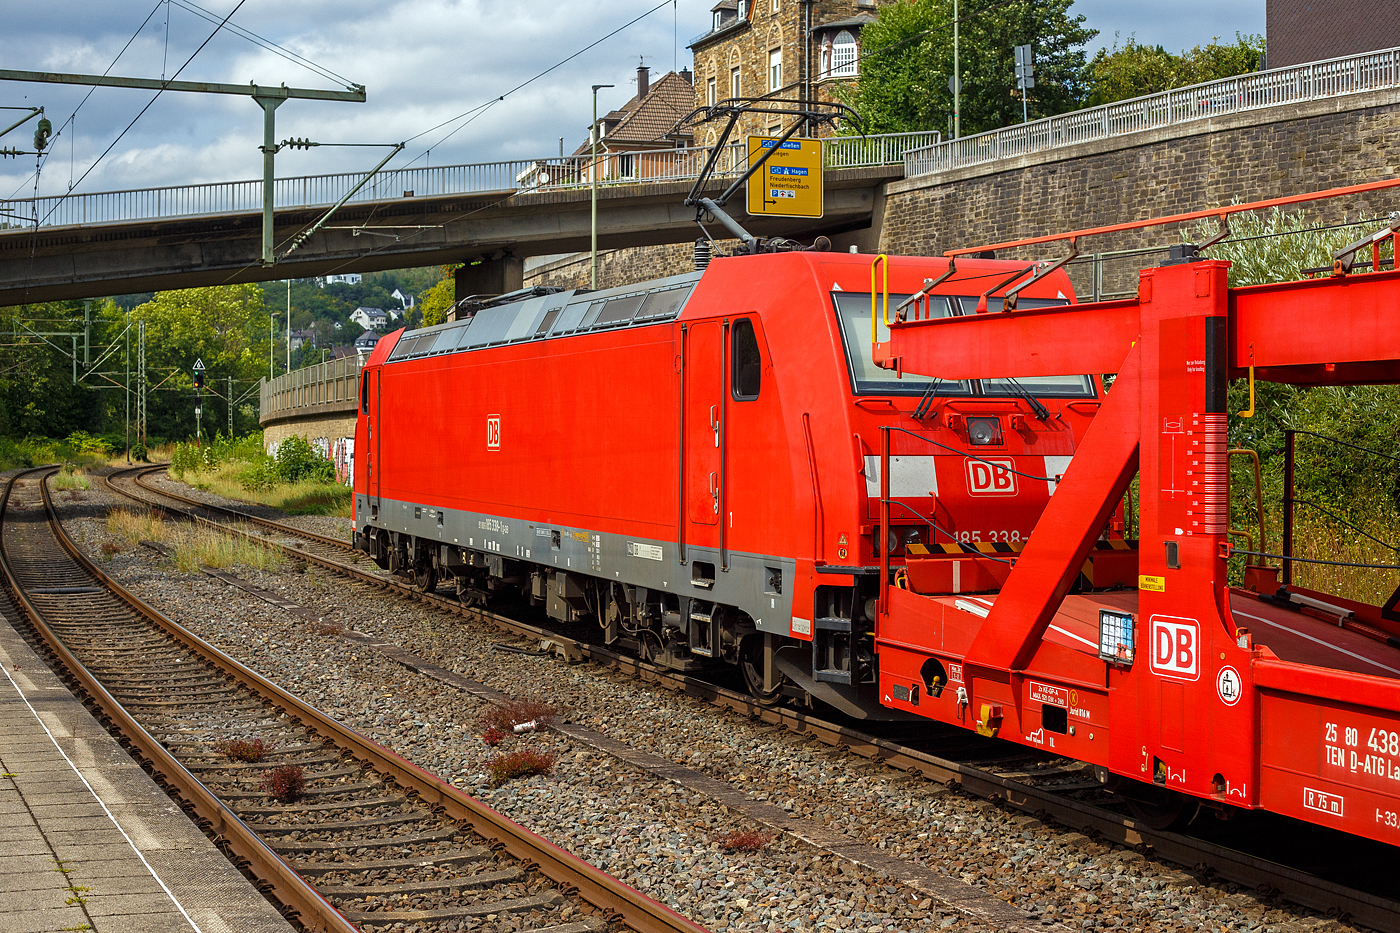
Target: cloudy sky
422	61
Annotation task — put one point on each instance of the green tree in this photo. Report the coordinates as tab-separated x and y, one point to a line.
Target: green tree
907	58
38	396
227	328
1135	70
436	300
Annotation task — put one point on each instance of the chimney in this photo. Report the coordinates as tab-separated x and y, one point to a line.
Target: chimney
643	81
686	76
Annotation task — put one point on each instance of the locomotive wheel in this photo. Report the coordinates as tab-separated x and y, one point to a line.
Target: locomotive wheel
1160	808
751	664
423	578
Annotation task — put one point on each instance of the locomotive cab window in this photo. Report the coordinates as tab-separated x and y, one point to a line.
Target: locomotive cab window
746	363
364	393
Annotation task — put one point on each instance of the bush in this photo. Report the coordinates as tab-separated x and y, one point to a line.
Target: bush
83	442
249	750
285	783
184	460
297	460
514	712
518	764
140	453
261	475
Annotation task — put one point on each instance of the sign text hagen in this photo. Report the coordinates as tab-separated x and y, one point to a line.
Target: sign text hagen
790	182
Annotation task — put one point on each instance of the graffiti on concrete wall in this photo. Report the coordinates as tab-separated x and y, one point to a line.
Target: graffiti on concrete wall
344	458
340	451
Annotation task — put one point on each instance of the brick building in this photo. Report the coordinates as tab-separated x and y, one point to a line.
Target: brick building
789	48
1301	31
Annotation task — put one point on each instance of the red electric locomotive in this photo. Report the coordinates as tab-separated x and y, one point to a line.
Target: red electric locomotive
693	462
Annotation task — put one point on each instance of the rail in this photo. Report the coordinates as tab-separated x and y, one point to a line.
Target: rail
335	383
310	191
1353	74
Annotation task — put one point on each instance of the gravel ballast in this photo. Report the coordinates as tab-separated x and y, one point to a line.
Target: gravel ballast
649	832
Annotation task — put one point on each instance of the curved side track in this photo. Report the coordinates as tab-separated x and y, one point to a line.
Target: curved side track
1034	785
370	840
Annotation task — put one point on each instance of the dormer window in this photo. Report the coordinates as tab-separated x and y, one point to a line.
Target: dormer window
718	17
743	8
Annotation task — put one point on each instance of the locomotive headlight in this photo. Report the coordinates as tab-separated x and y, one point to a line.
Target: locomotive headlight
983	432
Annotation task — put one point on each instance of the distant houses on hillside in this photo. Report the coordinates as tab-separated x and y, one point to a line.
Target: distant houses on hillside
370	318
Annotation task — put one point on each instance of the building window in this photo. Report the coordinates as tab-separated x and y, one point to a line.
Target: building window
843	55
775	6
743	8
734	81
718	16
710	93
775	70
627	166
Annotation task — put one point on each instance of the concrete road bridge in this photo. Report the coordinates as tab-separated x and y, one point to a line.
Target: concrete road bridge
120	242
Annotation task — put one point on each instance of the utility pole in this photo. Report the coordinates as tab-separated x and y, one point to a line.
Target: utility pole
289	325
957	77
128	375
141	381
230	408
593	173
271	342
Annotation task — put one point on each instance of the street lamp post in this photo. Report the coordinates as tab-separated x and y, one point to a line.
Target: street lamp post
593	174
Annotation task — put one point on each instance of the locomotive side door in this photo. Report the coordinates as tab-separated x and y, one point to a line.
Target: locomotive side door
376	430
704	433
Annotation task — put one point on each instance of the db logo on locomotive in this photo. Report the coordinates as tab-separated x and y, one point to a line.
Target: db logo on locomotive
493	432
991	477
1175	647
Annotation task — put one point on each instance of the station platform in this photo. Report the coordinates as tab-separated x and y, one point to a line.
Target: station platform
87	840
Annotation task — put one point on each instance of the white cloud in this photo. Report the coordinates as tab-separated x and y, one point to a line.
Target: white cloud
422	61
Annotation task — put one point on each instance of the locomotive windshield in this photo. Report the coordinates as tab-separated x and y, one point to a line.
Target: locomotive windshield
853	311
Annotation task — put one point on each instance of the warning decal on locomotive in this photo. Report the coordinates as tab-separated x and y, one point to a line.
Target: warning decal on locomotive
1323	801
1049	695
649	551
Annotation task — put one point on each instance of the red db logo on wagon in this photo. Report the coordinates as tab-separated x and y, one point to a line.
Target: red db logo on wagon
1176	647
991	477
493	432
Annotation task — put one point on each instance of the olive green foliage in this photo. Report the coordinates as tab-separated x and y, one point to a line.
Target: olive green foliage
907	58
195	458
297	460
1354	486
227	328
440	297
1135	70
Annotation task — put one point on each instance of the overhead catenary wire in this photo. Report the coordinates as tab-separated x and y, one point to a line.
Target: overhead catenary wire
74	114
61	198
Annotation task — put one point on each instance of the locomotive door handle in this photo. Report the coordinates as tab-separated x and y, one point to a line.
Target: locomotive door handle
714	491
714	422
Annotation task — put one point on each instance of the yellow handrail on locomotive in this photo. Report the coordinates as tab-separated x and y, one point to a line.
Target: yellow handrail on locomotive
874	318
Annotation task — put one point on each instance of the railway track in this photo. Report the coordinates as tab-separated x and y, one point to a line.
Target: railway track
1052	789
369	842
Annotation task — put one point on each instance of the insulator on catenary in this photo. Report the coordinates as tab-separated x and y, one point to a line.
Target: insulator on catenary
703	254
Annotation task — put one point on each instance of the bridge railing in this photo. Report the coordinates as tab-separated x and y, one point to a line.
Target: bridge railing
1314	81
311	191
335	383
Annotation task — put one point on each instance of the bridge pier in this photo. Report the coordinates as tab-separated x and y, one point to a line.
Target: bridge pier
490	277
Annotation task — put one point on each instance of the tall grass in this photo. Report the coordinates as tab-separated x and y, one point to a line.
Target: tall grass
194	546
298	480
